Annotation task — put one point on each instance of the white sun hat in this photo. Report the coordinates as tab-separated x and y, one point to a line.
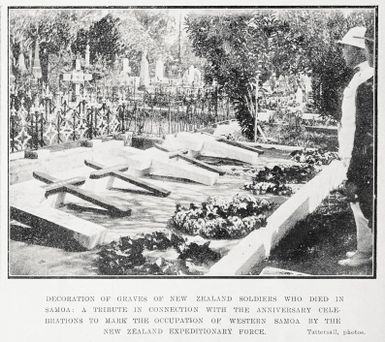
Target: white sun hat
354	37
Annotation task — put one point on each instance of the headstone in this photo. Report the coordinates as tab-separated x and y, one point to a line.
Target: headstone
21	63
126	66
191	73
197	77
299	96
159	70
185	77
77	64
128	139
36	69
144	71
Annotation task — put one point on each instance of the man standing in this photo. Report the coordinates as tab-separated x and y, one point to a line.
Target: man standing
356	143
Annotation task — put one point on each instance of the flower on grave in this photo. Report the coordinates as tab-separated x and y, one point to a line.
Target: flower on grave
236	222
222	218
200	225
260	188
210	230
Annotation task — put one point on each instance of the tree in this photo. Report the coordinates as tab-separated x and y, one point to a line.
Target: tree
53	31
238	47
104	39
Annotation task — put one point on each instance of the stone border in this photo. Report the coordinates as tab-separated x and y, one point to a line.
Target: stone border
88	234
255	247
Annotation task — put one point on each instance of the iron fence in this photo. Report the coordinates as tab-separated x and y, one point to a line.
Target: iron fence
45	119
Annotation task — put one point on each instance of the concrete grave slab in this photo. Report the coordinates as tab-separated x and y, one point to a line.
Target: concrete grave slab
29	206
116	172
161	165
208	146
278	272
60	188
181	154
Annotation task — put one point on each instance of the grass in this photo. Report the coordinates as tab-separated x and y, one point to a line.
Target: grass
315	244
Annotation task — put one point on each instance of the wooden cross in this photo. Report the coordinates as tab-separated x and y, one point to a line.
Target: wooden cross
77	77
190	160
117	172
62	187
237	144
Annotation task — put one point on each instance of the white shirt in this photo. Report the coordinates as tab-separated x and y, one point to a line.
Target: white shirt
348	120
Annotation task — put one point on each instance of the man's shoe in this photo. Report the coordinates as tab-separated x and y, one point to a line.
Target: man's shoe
358	259
351	254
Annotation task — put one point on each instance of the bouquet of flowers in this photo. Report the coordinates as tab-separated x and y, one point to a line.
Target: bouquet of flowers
285	174
317	157
261	188
222	218
125	257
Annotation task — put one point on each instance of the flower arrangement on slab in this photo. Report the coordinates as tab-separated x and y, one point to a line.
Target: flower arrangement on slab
219	218
262	188
316	157
275	180
125	257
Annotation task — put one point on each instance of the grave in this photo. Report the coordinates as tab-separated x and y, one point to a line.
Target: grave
159	163
144	78
256	246
76	77
238	144
200	144
193	161
86	233
69	186
148	213
116	171
29	206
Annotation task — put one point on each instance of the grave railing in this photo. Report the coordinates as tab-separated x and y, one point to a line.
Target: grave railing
41	121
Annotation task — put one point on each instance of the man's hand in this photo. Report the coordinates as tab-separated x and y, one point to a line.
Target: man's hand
351	192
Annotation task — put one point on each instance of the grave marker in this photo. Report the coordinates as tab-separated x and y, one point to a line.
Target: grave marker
117	172
159	164
77	77
61	188
237	144
202	144
193	161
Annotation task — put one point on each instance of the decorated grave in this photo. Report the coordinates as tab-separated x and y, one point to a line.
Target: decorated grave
204	217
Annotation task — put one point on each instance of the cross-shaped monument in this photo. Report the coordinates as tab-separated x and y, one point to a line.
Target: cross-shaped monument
70	186
76	77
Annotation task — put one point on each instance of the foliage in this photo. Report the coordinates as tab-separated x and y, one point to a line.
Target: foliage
126	257
222	219
300	136
125	33
104	37
54	31
239	47
261	188
286	174
316	157
274	180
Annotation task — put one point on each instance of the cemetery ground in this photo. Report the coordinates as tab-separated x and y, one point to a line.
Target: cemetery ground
35	252
313	246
